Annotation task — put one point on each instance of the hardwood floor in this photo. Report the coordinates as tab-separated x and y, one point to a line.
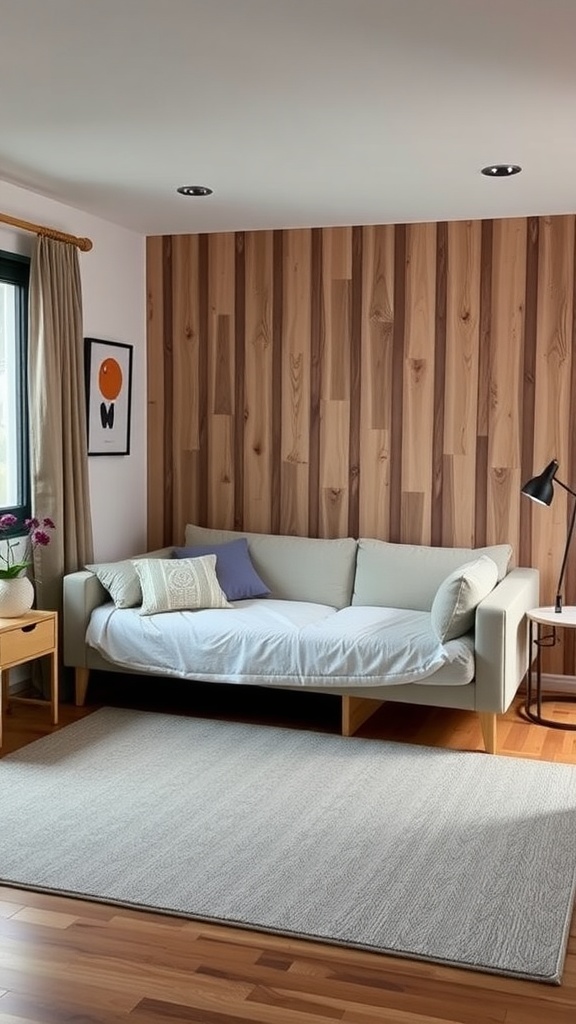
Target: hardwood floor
68	960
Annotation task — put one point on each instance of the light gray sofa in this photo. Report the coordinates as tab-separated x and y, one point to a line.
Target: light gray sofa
364	573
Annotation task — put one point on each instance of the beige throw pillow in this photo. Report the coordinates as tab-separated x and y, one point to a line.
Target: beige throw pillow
177	584
120	580
454	606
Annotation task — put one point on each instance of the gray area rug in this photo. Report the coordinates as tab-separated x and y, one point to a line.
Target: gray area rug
458	858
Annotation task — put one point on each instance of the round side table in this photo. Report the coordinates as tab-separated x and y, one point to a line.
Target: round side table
543	623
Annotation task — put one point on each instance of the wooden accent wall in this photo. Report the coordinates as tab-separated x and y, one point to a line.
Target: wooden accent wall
397	381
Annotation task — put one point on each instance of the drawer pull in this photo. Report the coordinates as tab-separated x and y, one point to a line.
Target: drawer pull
28	629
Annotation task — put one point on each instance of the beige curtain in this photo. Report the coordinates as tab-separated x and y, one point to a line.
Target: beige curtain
59	464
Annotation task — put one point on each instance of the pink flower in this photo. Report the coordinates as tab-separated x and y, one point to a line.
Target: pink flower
39	537
36	537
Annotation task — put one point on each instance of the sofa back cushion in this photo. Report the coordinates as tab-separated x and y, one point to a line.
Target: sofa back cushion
294	568
454	607
408	575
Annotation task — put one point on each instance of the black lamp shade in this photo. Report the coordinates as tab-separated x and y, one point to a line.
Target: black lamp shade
541	488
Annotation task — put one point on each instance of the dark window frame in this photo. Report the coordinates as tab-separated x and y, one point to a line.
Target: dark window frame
15	269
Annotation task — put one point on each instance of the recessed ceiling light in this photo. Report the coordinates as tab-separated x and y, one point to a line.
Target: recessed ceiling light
501	170
194	190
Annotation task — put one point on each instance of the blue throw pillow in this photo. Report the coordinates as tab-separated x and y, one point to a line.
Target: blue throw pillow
236	574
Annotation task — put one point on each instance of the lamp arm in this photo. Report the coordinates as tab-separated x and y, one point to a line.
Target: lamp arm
565	486
558	607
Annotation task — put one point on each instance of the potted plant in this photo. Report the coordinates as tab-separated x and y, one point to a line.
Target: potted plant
16	588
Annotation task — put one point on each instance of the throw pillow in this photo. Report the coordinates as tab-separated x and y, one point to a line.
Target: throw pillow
236	574
170	584
120	580
454	606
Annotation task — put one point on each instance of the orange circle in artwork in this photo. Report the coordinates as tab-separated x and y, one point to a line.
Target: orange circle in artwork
110	379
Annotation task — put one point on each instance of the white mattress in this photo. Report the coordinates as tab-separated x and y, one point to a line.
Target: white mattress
269	642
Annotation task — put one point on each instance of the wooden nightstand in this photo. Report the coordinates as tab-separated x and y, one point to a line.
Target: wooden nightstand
23	639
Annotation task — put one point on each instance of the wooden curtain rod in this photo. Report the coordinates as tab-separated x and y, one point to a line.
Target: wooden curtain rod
85	244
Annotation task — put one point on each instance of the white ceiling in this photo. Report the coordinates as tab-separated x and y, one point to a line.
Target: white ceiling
295	112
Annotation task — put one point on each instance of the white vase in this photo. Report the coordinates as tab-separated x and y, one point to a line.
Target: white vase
16	597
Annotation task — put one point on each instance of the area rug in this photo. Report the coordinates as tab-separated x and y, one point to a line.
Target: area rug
453	857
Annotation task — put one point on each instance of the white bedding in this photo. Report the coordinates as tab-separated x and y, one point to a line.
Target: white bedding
282	643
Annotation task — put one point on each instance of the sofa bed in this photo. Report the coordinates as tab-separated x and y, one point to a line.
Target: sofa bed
366	619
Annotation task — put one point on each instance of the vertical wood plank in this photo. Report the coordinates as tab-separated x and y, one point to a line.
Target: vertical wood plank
335	425
377	333
155	403
506	359
396	385
258	434
203	376
436	511
295	382
185	425
317	345
168	492
335	382
239	411
221	370
418	400
355	385
529	387
223	404
461	396
277	384
481	509
336	278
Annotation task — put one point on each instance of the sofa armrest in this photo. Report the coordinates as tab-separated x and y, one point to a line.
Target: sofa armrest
82	593
501	639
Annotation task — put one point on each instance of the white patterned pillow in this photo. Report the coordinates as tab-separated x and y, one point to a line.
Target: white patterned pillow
454	607
176	584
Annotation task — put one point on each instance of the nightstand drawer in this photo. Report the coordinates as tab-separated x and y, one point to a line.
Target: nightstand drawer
26	642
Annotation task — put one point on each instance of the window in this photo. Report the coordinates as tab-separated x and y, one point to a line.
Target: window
14	476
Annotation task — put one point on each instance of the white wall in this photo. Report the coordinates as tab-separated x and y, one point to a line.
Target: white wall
114	301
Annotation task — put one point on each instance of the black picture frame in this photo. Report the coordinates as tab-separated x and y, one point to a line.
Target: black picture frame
108	380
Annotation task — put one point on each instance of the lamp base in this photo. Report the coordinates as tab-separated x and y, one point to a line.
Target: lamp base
558	606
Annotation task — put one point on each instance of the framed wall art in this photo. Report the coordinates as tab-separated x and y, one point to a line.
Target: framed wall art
108	374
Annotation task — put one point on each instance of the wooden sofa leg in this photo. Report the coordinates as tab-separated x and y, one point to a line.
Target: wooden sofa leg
488	723
81	677
355	711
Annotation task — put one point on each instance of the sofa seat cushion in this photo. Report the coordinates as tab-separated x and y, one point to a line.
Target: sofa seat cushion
408	575
294	568
280	643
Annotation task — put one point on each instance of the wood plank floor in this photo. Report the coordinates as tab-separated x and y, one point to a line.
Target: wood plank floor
68	960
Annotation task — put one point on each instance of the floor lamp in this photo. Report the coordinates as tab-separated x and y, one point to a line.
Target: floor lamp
541	489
